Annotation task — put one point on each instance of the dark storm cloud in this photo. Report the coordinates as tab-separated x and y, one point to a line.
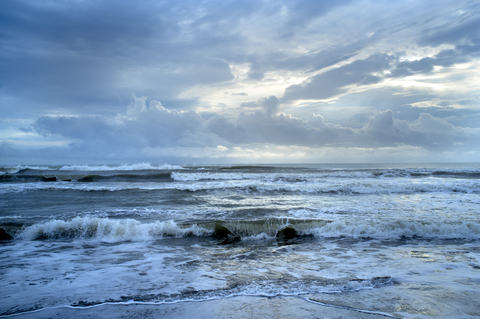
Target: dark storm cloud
70	52
86	56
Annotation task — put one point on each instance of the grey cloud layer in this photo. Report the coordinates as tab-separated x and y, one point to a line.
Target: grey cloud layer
83	60
373	70
83	51
85	55
141	127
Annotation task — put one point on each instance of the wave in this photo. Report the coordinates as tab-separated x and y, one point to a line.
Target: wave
148	172
400	229
272	176
90	168
20	168
281	186
118	230
249	167
109	230
255	287
126	167
56	177
308	175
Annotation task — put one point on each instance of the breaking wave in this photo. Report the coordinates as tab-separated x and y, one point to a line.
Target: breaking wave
399	229
90	168
118	230
109	230
19	168
127	167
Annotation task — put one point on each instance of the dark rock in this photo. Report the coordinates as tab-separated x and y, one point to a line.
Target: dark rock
221	231
4	235
287	233
231	239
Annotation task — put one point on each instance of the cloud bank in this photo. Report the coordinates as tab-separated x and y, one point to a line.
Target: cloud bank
152	131
264	80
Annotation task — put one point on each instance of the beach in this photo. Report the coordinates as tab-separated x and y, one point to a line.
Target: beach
275	241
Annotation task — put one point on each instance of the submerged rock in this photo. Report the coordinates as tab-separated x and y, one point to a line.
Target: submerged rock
287	233
222	232
4	235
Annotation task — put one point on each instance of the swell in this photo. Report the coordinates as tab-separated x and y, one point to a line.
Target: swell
90	168
266	187
227	231
59	177
243	172
309	175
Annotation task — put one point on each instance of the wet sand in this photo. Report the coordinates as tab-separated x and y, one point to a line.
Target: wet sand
394	301
237	307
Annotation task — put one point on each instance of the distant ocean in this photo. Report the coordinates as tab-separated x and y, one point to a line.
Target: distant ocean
385	240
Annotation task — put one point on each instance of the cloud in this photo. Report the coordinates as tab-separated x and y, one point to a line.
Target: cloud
303	12
140	126
149	127
301	74
457	30
270	105
375	69
446	58
333	82
427	131
70	55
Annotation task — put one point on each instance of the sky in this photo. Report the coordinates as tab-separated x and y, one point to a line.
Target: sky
220	81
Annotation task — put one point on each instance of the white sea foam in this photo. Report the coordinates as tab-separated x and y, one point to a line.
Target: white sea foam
109	230
273	288
332	173
18	168
292	177
178	176
117	230
399	229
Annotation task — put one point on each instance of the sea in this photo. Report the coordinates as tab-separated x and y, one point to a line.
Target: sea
162	240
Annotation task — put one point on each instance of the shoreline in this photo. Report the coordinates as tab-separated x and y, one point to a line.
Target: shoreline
242	307
400	300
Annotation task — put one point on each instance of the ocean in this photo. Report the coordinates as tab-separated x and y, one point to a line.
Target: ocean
252	241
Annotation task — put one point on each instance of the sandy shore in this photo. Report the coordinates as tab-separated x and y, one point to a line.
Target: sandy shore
238	307
394	301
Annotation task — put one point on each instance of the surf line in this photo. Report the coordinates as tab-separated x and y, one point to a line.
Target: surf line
349	308
133	302
114	303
